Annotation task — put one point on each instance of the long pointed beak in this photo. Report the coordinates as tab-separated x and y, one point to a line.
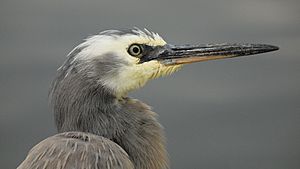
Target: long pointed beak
175	55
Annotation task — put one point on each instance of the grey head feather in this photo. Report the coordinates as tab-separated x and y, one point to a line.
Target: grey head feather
134	31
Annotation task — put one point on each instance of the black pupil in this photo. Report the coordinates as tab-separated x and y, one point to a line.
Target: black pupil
135	50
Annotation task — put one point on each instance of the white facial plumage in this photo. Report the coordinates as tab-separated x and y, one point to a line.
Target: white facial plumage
133	74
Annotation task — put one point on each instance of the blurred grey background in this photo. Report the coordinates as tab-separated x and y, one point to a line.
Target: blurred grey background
241	113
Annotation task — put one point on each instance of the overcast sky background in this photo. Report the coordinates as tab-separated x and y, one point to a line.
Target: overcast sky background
241	113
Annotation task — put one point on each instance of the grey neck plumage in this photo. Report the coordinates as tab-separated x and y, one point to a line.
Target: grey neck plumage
80	104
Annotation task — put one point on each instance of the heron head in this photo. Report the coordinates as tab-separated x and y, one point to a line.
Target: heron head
125	60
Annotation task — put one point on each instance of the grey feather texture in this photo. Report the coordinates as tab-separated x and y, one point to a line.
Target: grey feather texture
72	150
80	104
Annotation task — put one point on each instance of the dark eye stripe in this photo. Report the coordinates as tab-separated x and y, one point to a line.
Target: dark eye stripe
150	53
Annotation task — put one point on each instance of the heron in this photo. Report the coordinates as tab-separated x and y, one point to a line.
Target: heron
99	126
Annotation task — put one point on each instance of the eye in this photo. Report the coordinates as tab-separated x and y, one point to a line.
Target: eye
135	50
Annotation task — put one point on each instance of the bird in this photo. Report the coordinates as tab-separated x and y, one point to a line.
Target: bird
99	125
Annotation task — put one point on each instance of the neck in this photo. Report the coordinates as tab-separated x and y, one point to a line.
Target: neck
81	105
